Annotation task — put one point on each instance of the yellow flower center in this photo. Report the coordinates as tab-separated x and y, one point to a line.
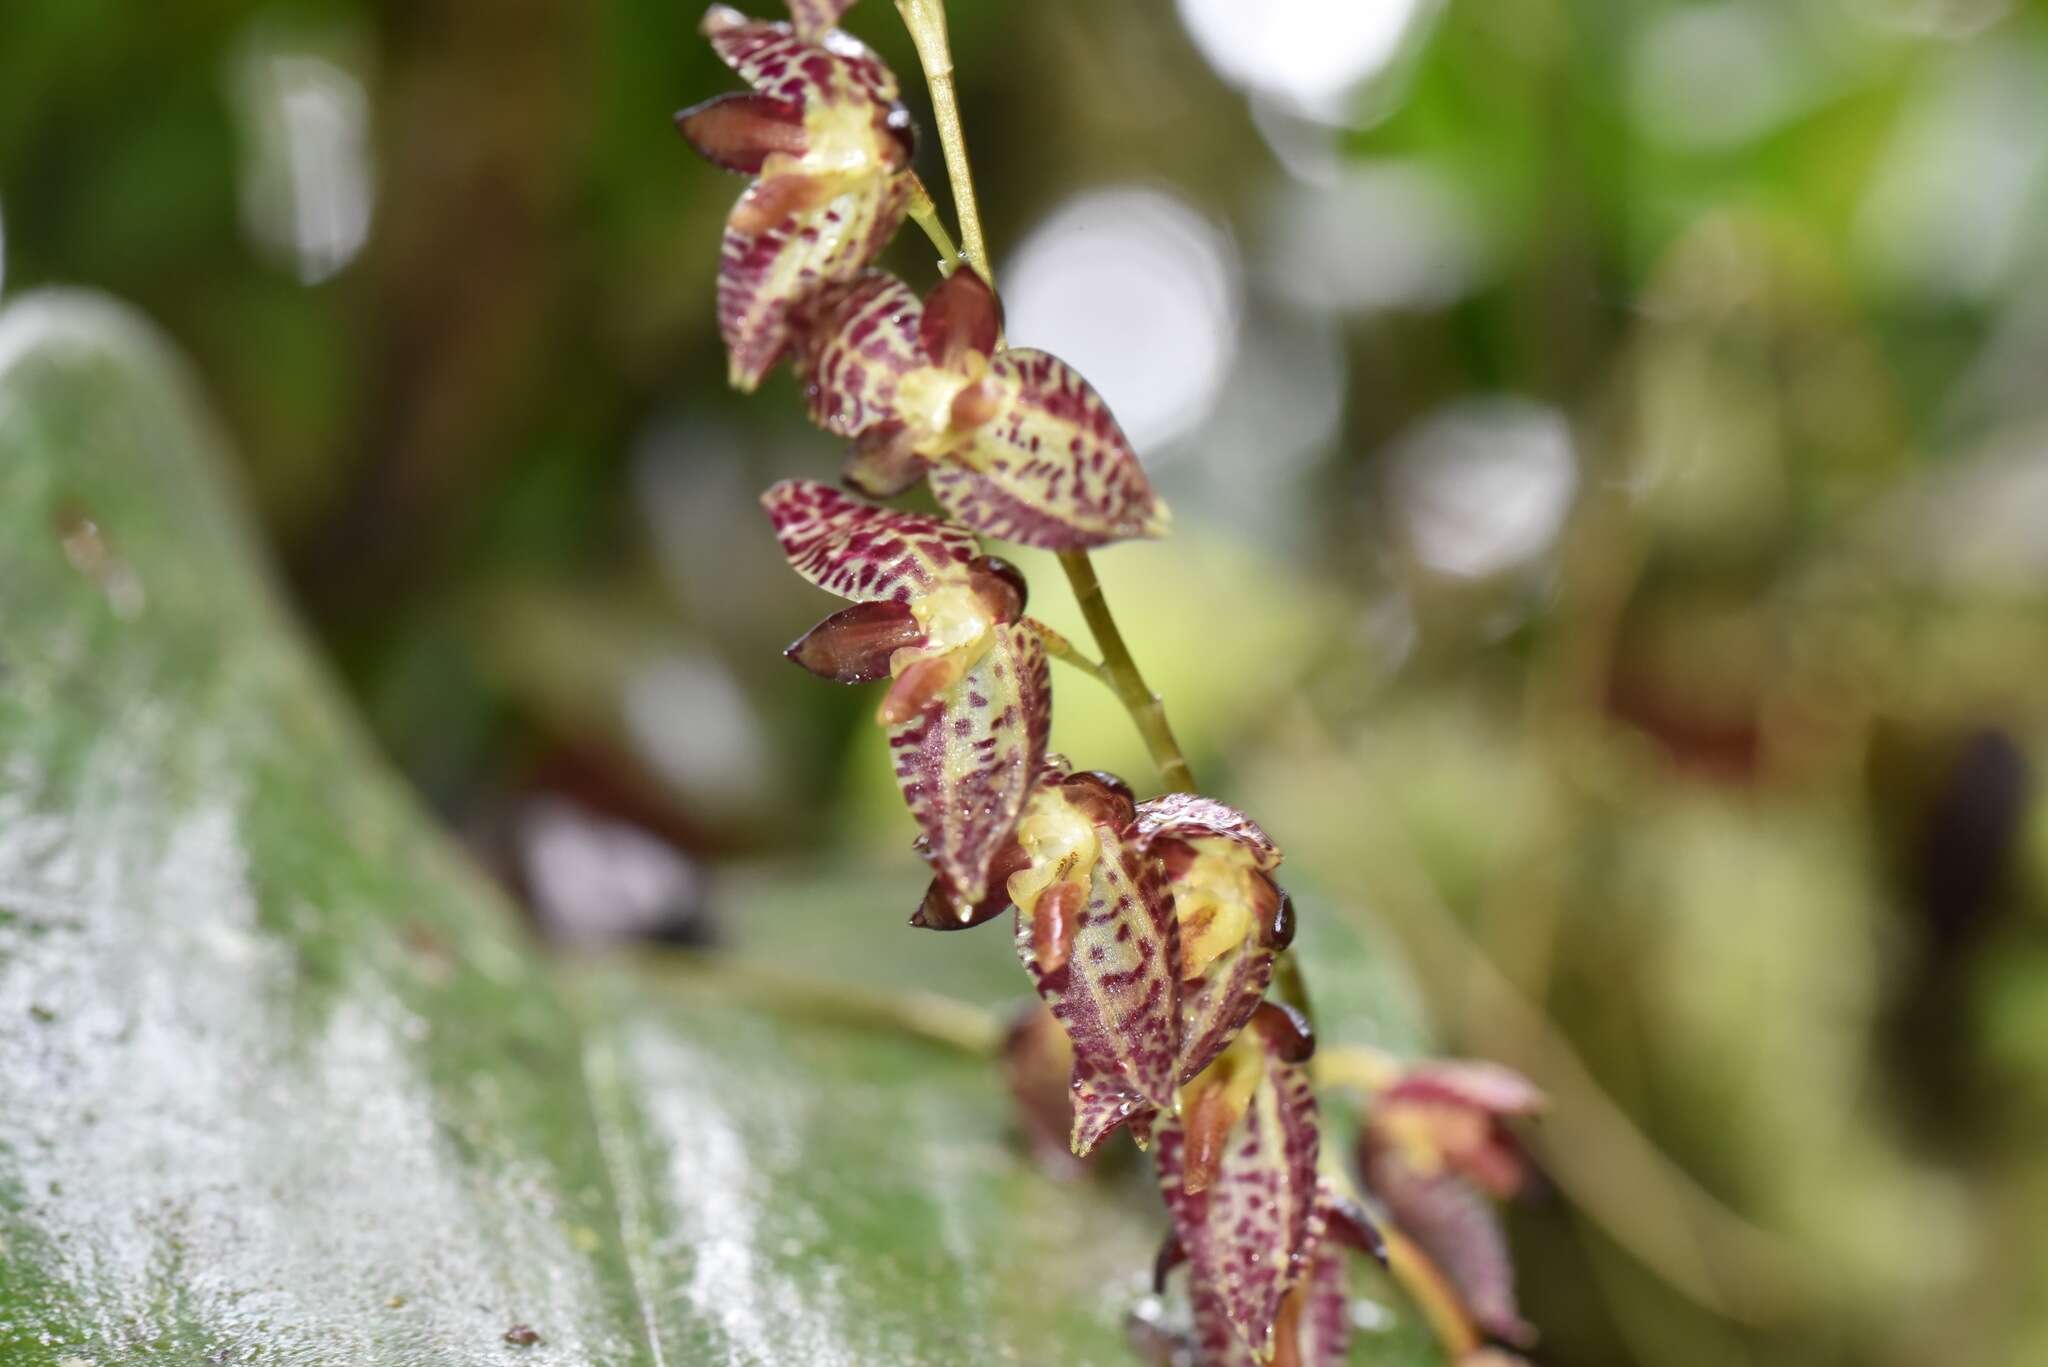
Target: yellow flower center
1213	901
1061	842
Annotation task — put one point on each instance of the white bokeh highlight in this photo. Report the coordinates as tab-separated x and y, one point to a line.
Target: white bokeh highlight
1141	294
1308	54
307	184
1483	485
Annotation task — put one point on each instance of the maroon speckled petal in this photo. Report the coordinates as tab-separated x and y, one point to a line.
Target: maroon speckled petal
966	766
739	131
775	60
1103	1101
860	551
1459	1230
858	340
1191	817
961	315
816	18
1115	994
1051	468
782	246
1215	1006
1249	1233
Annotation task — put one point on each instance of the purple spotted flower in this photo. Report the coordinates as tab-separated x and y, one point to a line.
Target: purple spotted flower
1232	918
1013	441
828	145
1238	1170
1095	931
1434	1148
969	703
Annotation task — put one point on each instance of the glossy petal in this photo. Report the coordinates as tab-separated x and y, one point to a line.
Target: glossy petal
863	552
782	246
961	317
1249	1232
816	18
775	60
1052	468
966	766
739	131
858	341
1114	992
854	645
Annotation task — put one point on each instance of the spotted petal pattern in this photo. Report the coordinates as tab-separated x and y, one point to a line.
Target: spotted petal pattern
863	552
777	60
770	262
1115	994
1215	1006
818	216
966	766
1460	1231
858	341
1250	1232
1052	468
1191	817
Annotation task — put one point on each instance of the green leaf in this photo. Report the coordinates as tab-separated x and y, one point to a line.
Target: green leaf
281	1080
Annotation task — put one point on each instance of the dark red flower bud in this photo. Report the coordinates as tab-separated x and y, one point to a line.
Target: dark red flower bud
1280	927
1292	1037
854	644
1105	797
1171	1255
961	315
1000	586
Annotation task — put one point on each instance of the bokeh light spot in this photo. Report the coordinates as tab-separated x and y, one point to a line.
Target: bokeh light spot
1140	293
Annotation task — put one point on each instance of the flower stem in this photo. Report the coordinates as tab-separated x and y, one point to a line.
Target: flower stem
926	20
1139	700
1063	650
925	214
1431	1290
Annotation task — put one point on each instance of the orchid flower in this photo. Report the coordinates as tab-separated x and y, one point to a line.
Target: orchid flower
1435	1146
1232	918
1013	441
1095	931
828	145
970	703
1237	1168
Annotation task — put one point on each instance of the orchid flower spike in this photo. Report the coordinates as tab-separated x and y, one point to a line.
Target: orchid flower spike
828	144
1013	441
970	702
